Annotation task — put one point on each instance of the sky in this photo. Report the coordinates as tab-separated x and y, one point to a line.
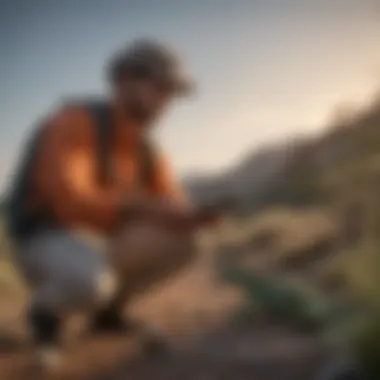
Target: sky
266	69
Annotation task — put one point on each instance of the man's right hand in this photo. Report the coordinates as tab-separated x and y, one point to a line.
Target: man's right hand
162	212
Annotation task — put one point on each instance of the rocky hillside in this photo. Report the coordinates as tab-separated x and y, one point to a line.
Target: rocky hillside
287	173
247	182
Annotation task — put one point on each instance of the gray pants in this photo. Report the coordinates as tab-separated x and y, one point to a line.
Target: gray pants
76	271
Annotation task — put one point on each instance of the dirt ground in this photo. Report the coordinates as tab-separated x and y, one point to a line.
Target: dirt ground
194	313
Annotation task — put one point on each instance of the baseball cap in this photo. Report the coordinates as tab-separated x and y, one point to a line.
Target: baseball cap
151	59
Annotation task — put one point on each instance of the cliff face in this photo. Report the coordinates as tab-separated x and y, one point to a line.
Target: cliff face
282	172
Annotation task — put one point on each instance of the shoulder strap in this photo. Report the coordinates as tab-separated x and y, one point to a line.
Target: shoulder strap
103	127
146	162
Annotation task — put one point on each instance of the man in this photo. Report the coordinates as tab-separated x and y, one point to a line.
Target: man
68	261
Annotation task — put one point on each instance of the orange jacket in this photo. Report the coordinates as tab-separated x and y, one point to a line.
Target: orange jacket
64	177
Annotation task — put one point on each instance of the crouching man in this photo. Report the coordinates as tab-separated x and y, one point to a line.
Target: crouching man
95	211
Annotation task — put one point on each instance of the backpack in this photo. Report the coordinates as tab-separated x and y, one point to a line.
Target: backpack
20	222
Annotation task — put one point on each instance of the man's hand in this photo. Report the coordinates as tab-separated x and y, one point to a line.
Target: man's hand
187	219
208	215
169	214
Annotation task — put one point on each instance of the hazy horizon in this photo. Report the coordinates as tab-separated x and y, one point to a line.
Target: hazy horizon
266	70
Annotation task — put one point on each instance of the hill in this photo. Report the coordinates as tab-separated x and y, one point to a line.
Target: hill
298	171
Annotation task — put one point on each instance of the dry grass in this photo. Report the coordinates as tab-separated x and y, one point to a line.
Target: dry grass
10	281
293	232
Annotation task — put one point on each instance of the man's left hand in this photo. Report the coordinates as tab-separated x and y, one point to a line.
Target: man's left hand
208	215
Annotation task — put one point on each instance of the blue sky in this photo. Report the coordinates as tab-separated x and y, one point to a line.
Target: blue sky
266	69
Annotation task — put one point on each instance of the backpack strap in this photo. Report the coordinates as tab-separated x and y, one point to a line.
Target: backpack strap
19	222
103	124
147	159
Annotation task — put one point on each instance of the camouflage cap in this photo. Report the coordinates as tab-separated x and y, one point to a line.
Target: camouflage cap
152	59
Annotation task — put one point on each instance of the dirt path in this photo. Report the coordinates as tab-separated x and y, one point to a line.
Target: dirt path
193	312
263	352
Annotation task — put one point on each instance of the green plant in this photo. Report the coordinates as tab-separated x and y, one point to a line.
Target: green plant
295	305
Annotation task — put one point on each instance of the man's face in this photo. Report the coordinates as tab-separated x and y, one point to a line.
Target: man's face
144	99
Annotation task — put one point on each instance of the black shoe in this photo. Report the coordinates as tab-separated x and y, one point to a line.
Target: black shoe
45	326
110	321
46	336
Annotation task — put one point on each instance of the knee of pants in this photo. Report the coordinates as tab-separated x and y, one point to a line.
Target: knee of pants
104	286
77	293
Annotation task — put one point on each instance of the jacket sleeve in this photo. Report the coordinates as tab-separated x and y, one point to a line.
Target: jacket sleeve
65	173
